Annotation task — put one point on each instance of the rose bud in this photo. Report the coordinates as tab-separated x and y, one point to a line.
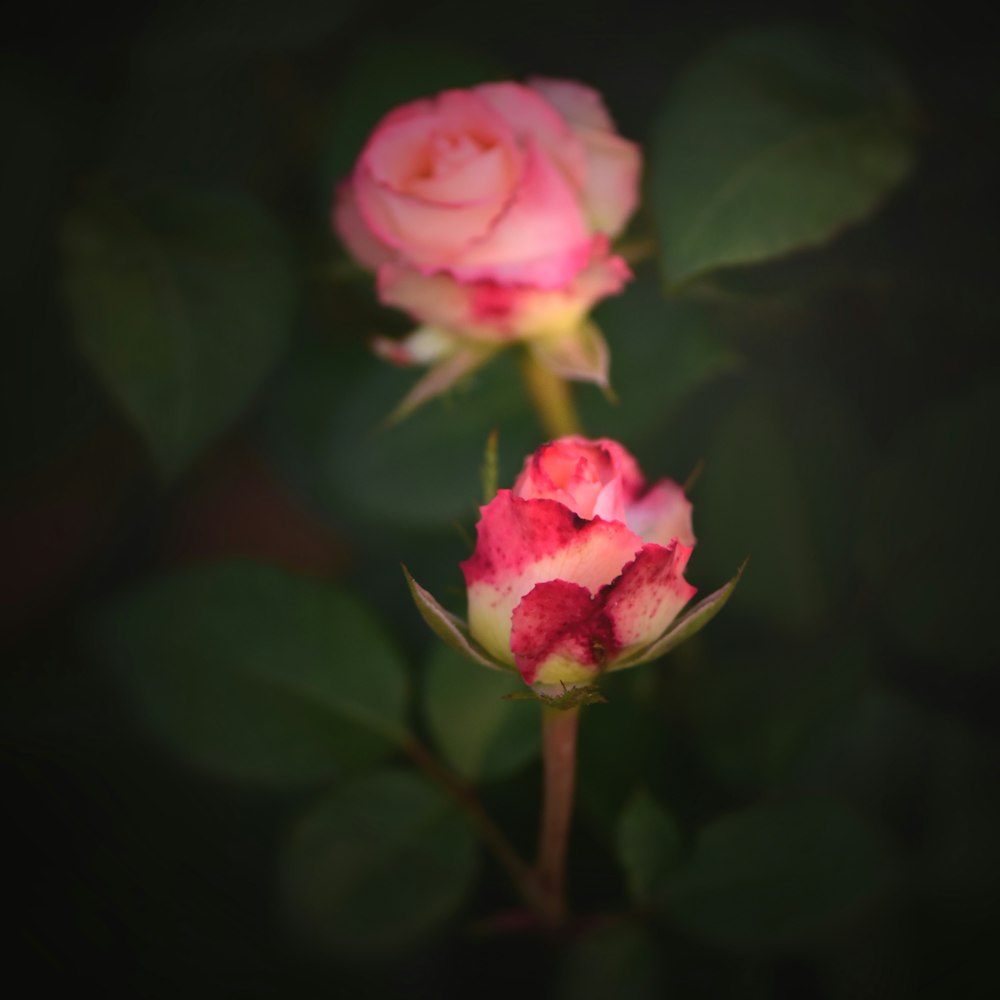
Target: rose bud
487	215
577	570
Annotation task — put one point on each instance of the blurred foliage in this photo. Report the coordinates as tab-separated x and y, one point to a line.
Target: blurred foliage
213	669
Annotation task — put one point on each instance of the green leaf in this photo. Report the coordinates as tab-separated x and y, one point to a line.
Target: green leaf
378	865
775	874
182	303
649	845
612	962
255	674
688	625
774	140
481	734
449	628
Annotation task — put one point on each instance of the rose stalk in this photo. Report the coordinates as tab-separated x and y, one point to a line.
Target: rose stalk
487	215
577	571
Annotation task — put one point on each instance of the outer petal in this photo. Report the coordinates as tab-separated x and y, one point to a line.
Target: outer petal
525	542
614	164
648	595
661	514
612	191
541	238
578	104
560	634
363	244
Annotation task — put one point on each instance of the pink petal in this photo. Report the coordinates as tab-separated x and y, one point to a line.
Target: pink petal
612	190
579	105
540	239
560	634
660	514
534	118
525	542
363	244
648	595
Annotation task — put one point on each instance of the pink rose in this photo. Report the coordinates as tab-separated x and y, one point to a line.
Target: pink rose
487	213
580	565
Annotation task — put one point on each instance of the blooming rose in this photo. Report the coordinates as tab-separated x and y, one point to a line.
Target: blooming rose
487	213
579	566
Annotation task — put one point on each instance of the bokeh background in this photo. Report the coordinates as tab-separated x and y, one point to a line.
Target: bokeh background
801	802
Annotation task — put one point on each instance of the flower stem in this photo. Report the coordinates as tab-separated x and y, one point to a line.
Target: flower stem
559	729
551	397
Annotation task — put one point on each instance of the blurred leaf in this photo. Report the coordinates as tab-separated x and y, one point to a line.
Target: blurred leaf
482	735
662	351
930	536
649	845
377	865
614	962
751	500
756	716
424	472
775	140
195	34
774	874
182	303
255	674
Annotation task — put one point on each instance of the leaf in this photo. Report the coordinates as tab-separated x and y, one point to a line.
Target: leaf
378	865
648	845
255	674
449	628
775	874
686	626
182	303
611	962
481	734
775	139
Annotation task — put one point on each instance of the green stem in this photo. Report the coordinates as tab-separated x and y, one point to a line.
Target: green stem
521	875
559	729
551	397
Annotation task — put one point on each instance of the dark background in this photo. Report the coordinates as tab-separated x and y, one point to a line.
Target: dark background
868	368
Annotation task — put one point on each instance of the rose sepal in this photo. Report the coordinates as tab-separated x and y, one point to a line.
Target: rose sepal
450	628
569	697
686	626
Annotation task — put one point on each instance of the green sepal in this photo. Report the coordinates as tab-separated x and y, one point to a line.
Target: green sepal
572	697
450	628
686	626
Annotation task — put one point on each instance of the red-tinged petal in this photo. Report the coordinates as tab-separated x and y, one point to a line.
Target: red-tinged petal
541	239
560	634
363	244
578	104
661	514
648	595
522	543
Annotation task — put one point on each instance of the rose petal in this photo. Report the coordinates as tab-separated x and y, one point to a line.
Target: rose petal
579	105
560	634
648	595
531	116
525	542
661	514
362	243
612	189
540	239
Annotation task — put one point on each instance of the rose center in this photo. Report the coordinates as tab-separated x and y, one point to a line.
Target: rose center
448	153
